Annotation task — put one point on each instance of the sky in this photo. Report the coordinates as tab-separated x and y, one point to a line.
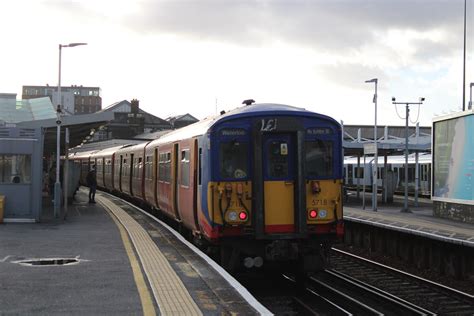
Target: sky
199	56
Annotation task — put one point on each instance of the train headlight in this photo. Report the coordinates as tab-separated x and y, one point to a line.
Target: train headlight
232	216
313	214
323	213
243	216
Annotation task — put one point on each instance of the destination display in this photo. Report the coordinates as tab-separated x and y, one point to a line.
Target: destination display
453	159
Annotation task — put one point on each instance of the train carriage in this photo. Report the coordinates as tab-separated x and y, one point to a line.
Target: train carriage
259	184
268	182
85	161
362	175
104	160
129	170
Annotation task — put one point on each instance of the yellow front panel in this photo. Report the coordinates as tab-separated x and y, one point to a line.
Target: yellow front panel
328	199
279	203
235	203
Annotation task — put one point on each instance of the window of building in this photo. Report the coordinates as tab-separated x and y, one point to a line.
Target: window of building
15	168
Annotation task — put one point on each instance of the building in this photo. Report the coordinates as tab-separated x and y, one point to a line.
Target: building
75	99
181	120
129	121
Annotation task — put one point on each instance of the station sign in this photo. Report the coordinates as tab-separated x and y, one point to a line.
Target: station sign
370	149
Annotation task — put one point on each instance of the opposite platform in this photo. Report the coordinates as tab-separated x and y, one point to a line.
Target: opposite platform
419	221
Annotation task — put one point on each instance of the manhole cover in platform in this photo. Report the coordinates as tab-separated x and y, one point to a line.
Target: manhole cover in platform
48	262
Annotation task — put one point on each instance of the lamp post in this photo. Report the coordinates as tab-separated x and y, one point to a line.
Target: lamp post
57	184
374	173
464	63
470	96
407	111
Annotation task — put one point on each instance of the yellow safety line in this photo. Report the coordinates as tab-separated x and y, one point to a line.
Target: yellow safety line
170	293
144	293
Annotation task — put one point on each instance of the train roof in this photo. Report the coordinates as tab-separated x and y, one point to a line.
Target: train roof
132	148
201	127
82	154
108	151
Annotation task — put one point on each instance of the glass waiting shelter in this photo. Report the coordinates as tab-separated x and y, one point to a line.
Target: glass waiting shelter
21	152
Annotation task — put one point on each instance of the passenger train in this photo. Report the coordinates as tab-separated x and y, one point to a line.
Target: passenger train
362	175
260	184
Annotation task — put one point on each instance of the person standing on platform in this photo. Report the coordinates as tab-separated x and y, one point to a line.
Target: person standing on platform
92	183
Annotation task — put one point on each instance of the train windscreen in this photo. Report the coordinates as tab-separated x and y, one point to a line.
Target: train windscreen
233	160
319	158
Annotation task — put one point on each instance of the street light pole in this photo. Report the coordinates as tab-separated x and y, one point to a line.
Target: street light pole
470	96
374	173
464	63
57	184
407	111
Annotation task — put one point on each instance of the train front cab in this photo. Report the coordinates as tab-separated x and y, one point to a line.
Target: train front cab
277	189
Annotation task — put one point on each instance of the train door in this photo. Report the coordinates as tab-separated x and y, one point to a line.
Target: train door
279	169
131	174
174	180
155	176
120	173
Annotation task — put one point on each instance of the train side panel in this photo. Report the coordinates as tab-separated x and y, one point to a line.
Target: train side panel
164	184
185	188
137	172
150	175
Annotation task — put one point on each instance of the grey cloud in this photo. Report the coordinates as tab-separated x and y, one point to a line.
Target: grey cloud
329	25
322	24
352	75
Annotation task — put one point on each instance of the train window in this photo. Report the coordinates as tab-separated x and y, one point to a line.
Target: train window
136	167
380	173
125	171
233	163
185	158
278	160
319	158
359	172
148	166
164	167
168	168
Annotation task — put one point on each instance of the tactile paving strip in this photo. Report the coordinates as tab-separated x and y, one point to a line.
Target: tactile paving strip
170	293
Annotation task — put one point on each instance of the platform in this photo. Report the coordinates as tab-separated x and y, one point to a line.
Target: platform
121	263
419	221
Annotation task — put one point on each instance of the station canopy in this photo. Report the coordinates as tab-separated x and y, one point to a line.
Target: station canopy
40	113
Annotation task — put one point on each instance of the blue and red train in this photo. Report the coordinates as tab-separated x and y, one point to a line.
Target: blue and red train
260	184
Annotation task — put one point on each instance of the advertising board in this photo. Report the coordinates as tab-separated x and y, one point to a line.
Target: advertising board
453	159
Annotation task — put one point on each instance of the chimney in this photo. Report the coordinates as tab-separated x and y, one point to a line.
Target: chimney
134	106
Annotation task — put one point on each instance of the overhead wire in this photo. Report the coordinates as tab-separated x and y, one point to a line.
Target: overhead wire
417	117
396	110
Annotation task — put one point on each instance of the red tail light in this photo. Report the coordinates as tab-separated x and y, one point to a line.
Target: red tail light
243	216
313	214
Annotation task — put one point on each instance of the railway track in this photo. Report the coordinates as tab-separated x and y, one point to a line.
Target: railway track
430	296
358	298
